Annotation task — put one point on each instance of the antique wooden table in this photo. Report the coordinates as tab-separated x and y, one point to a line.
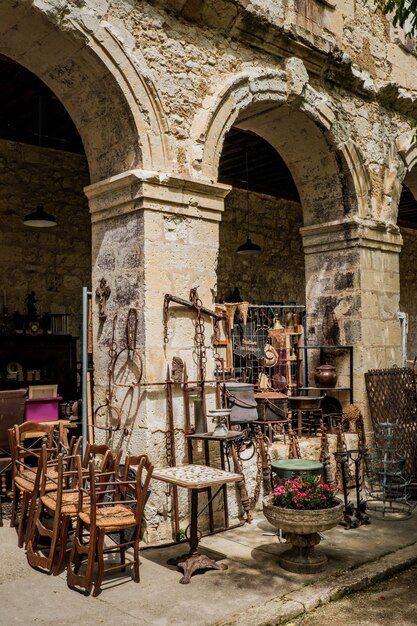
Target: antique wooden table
195	478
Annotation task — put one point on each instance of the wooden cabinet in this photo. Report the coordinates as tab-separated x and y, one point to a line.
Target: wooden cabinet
40	359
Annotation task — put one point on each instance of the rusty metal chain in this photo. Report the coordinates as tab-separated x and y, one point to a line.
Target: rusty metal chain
199	335
165	316
262	451
108	407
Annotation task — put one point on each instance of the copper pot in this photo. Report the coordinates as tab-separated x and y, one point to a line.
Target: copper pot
325	376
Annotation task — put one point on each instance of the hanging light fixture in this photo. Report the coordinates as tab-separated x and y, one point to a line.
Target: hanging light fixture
249	247
39	218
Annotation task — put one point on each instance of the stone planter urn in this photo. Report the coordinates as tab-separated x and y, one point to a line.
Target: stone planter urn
302	528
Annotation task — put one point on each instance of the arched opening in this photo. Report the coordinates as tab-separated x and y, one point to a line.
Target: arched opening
407	221
285	174
43	269
264	205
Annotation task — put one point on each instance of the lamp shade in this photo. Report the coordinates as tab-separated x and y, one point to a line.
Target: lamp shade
249	247
39	218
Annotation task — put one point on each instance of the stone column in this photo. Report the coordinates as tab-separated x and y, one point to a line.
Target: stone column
352	270
152	234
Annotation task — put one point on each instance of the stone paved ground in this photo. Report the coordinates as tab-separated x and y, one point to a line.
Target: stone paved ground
392	601
254	591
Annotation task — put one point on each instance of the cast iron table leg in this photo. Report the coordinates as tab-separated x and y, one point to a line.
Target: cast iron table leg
195	561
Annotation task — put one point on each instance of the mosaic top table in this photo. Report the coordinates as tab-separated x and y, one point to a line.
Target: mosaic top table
195	478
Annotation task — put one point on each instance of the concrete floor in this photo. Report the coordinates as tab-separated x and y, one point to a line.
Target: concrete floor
213	597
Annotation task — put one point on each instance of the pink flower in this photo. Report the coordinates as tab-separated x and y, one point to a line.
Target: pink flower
290	490
323	497
294	498
325	486
298	505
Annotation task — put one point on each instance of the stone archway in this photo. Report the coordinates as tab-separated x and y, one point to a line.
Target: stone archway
113	103
264	100
349	255
115	107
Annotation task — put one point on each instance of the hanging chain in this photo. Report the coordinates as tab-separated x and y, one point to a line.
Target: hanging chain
165	317
199	335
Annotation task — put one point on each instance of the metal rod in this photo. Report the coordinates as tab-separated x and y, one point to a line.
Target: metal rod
190	305
172	453
85	294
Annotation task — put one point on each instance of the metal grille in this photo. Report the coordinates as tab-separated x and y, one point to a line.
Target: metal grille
392	398
250	336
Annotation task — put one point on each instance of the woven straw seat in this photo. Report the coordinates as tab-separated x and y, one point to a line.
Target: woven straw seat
111	517
25	480
69	502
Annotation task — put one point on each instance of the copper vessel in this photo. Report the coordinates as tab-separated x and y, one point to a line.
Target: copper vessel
325	376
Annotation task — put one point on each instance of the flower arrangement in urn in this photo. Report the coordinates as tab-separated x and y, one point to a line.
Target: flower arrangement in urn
304	493
303	508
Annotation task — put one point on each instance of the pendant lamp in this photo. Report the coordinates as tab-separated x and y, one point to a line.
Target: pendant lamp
249	247
39	218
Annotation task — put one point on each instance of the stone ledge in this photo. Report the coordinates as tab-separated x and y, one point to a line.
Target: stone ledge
351	233
156	191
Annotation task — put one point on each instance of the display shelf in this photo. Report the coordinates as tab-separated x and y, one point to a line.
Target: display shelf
338	352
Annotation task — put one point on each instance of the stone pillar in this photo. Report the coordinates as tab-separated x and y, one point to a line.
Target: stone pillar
352	270
152	234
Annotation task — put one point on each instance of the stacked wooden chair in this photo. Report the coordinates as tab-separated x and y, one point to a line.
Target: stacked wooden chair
61	504
109	504
26	469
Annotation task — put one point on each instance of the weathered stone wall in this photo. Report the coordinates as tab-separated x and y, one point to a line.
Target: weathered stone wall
408	287
319	84
53	262
275	275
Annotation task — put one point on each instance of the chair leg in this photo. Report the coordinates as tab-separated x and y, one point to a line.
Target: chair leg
38	530
14	505
33	506
100	560
122	550
136	575
66	522
74	579
22	521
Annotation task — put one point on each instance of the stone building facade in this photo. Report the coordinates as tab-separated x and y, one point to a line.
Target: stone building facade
153	88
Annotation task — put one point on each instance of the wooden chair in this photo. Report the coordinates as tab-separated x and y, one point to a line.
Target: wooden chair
25	468
60	505
12	411
108	504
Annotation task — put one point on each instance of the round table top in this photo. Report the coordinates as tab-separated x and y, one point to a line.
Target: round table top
296	465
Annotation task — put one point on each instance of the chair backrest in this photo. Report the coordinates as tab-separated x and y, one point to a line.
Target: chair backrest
138	488
65	478
41	433
12	411
93	450
109	459
104	489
